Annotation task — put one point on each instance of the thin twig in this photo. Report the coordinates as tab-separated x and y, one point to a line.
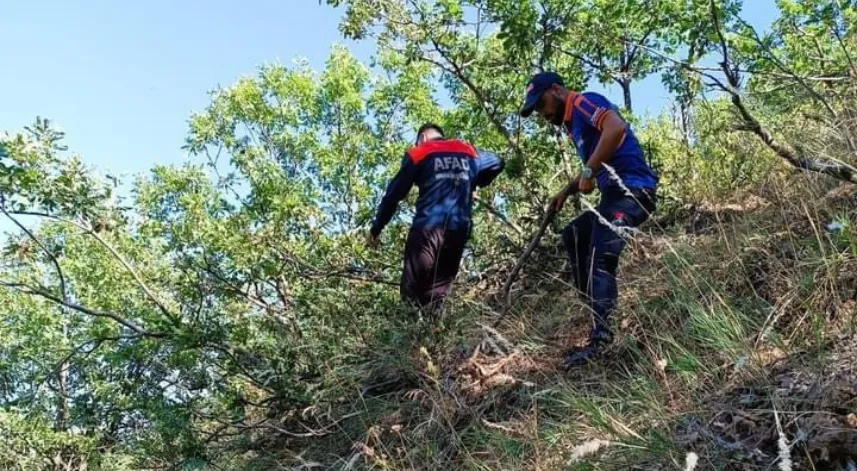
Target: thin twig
84	310
502	217
113	251
42	246
134	274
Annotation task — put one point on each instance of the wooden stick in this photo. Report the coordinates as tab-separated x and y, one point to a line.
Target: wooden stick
534	242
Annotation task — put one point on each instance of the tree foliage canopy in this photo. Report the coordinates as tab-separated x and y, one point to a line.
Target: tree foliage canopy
226	307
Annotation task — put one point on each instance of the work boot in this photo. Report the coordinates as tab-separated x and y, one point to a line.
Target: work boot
578	356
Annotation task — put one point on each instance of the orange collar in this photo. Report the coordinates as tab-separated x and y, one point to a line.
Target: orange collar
569	106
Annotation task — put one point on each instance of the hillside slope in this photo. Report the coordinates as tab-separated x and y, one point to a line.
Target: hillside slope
735	351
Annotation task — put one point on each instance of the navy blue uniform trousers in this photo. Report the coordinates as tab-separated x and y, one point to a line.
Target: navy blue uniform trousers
594	248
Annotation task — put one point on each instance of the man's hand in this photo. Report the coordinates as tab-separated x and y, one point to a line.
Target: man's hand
372	241
558	201
586	185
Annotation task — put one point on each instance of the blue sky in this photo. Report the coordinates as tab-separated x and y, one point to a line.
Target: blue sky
121	78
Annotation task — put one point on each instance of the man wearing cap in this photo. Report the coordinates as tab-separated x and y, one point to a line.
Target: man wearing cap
613	160
447	173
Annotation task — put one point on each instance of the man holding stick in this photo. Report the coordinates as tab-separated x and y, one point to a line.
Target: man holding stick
614	161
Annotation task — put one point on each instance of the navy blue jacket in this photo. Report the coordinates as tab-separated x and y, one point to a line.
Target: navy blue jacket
446	171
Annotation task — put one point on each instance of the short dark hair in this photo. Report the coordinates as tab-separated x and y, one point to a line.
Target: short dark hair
428	126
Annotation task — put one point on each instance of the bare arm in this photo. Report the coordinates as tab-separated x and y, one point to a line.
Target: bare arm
612	135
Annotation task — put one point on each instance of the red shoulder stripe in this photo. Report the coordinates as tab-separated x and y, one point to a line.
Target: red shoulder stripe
582	104
452	146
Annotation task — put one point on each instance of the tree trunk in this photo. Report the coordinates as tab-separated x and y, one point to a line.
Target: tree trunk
685	110
62	397
625	83
62	400
625	58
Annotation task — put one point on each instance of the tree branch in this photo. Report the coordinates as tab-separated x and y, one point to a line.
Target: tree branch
836	169
845	50
699	69
114	252
134	274
534	242
98	342
632	54
773	58
44	249
600	67
27	289
502	217
62	370
480	96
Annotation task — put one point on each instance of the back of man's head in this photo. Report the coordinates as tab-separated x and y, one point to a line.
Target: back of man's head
428	132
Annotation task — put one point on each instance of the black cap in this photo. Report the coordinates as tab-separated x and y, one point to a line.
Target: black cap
537	85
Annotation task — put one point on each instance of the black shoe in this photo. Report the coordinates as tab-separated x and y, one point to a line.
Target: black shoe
580	356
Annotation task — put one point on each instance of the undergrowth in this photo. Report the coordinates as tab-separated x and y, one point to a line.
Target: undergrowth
735	336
